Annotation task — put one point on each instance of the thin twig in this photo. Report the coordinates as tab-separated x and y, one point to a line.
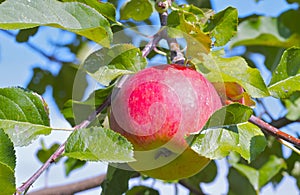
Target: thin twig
151	44
26	185
269	129
289	145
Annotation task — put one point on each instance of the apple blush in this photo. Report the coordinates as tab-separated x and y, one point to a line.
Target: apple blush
156	109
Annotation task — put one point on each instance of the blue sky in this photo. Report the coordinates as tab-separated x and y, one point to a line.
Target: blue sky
16	62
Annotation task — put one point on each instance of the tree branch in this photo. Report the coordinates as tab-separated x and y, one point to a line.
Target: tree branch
271	130
90	183
72	188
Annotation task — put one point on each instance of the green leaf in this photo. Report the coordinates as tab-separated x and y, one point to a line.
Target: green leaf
192	9
272	55
40	80
69	83
293	165
72	16
99	144
286	77
72	164
227	131
234	69
207	175
23	133
264	31
116	177
292	105
258	178
136	9
106	9
288	26
106	64
44	153
188	25
7	165
142	190
293	1
246	139
238	184
270	169
23	115
223	25
25	34
77	111
229	115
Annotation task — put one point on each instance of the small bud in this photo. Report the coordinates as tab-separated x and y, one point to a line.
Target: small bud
161	6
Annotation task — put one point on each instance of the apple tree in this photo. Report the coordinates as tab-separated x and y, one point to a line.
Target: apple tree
178	86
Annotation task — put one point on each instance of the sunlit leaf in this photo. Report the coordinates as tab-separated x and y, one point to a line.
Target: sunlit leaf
263	31
71	16
23	115
136	9
23	133
104	8
107	64
286	77
229	115
187	25
7	165
227	131
223	25
233	69
99	144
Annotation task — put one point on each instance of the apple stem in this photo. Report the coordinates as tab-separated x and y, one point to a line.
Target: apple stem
176	55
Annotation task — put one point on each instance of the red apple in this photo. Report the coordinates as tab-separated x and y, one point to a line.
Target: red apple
156	109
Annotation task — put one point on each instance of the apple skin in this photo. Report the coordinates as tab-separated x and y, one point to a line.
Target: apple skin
155	109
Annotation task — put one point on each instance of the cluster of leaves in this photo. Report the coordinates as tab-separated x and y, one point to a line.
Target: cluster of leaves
24	115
